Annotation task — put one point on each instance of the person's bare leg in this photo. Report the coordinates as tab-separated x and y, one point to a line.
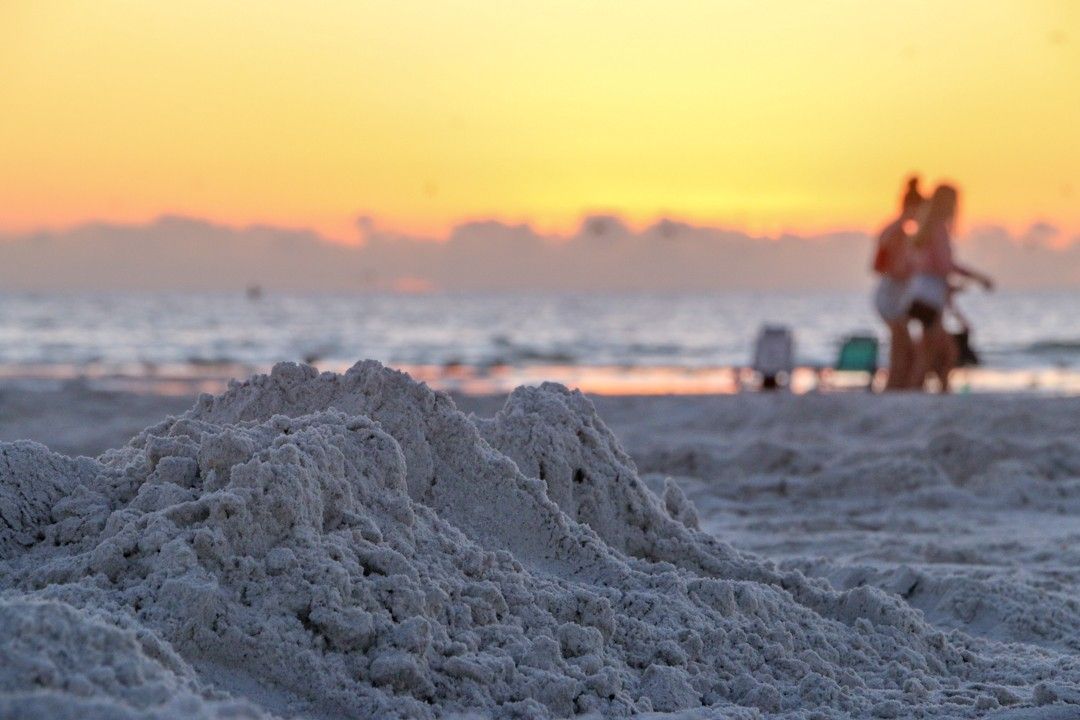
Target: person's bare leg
939	354
901	355
920	363
948	356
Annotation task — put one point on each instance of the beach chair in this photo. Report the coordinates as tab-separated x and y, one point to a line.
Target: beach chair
859	353
774	355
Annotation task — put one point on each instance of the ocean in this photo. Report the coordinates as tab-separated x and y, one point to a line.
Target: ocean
479	342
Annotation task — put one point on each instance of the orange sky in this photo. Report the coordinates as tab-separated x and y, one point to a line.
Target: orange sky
758	114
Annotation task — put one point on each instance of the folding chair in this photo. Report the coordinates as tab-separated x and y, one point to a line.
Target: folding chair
774	355
859	353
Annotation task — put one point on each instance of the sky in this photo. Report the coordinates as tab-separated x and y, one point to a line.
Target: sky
763	116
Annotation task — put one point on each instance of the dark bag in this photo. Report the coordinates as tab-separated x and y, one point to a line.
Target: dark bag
966	357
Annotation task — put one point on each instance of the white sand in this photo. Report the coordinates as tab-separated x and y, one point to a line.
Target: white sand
75	418
324	546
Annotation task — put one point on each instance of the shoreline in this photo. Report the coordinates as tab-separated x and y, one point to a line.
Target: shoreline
190	379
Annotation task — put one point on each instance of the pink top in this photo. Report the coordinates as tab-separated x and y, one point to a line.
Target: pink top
893	256
935	257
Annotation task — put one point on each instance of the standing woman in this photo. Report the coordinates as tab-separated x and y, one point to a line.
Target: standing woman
892	263
928	291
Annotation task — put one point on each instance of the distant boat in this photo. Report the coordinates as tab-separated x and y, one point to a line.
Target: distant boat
254	292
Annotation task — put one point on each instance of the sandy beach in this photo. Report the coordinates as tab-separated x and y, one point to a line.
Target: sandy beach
323	545
514	361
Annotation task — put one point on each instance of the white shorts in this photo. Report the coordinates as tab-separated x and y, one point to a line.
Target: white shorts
931	290
890	299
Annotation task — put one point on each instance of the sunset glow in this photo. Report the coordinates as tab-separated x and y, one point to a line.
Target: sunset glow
765	116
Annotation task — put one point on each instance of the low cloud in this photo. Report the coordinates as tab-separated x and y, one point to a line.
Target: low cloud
603	254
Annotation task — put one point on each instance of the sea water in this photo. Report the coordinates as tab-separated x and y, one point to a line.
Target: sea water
1026	340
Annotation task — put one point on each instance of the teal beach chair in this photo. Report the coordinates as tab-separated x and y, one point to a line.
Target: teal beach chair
859	353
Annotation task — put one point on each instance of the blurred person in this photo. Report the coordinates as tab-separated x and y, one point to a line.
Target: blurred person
929	290
893	264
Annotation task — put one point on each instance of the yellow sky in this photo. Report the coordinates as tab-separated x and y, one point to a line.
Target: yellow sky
759	114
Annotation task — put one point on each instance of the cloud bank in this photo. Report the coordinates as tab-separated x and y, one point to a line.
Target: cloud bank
603	254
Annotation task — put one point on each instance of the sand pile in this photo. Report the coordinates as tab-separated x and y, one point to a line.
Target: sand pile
353	545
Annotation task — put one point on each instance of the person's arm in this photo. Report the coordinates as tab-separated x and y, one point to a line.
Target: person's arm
943	248
881	260
985	280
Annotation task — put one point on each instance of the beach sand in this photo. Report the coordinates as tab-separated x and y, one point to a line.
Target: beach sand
357	545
